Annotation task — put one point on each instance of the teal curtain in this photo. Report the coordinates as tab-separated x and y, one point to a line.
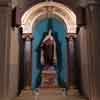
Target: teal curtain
59	62
62	64
39	32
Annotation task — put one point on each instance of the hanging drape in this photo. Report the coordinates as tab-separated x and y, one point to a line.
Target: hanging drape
61	48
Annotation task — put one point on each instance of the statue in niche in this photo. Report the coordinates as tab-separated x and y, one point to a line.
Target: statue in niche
48	60
48	50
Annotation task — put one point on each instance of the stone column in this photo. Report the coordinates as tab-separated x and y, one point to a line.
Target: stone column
72	88
21	58
5	33
28	59
93	48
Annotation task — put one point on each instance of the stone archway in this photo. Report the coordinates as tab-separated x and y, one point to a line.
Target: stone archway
53	9
49	9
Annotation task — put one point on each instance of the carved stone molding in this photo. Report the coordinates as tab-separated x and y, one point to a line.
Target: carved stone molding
93	2
5	3
52	9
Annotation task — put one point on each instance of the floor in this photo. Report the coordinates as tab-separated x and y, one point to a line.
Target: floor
47	94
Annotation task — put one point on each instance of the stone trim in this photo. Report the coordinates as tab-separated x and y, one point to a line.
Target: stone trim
5	3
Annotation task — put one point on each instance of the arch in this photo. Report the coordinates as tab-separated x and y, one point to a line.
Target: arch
54	9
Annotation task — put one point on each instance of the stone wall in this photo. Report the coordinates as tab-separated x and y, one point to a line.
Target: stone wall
83	43
5	23
89	38
8	53
14	65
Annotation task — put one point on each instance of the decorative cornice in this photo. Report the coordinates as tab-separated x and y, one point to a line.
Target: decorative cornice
93	3
86	3
5	3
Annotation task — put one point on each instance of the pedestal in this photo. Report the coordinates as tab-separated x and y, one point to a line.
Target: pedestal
49	78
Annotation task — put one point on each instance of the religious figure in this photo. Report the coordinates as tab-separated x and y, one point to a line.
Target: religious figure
48	50
49	60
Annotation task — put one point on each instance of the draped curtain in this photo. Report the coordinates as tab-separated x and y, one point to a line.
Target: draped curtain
39	33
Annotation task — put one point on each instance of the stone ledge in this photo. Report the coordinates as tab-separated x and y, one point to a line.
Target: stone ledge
93	2
47	94
5	3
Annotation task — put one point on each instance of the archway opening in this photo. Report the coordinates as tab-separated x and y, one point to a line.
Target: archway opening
63	18
59	34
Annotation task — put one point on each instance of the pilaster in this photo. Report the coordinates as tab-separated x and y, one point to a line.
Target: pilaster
28	59
93	47
5	30
72	87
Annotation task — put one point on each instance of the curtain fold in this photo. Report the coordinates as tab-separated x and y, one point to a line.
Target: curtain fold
61	48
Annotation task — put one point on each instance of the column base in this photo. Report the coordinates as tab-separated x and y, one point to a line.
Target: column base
26	93
72	91
27	88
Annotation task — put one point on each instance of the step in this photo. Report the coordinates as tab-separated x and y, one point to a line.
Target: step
51	91
50	97
60	97
47	94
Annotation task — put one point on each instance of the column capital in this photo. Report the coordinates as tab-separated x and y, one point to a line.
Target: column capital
27	36
93	2
71	36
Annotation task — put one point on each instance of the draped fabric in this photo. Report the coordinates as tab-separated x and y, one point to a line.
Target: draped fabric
36	53
61	48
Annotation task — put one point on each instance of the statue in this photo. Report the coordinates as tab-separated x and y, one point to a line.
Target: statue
48	50
48	60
